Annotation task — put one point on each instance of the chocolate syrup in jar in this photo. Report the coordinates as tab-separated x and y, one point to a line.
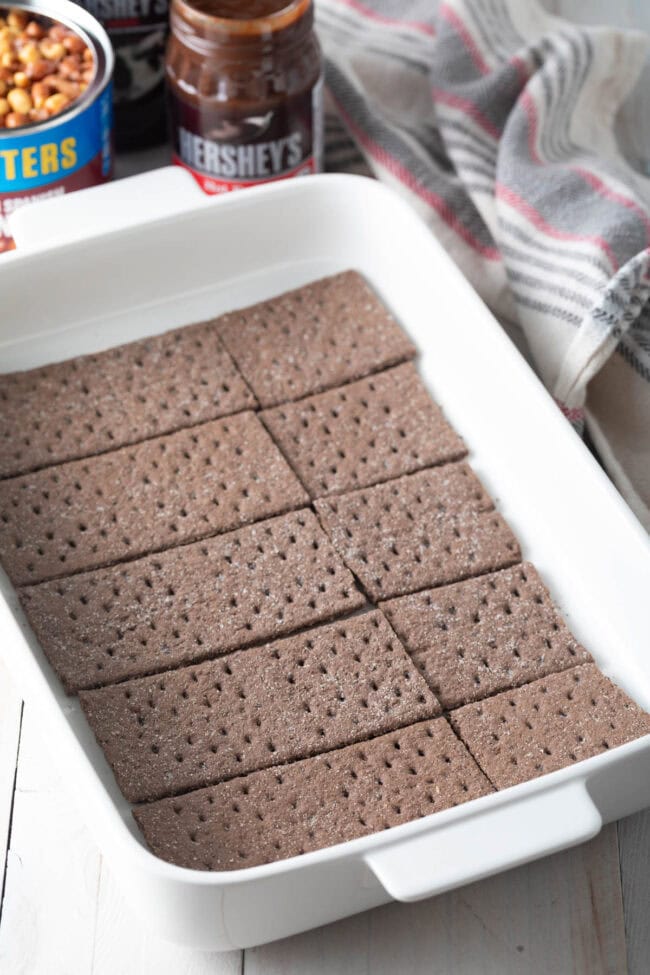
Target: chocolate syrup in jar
138	32
244	91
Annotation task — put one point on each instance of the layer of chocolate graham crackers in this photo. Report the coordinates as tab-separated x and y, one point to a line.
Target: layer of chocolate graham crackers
145	498
555	721
289	606
292	698
421	530
190	603
363	433
94	403
314	338
483	635
292	809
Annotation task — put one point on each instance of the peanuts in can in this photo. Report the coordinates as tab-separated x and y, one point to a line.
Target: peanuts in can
56	135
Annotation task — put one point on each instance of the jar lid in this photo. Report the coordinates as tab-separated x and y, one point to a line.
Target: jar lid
260	17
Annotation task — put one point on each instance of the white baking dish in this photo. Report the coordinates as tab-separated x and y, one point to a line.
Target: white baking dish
590	550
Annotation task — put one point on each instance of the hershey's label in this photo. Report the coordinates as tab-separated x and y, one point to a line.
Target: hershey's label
227	151
260	160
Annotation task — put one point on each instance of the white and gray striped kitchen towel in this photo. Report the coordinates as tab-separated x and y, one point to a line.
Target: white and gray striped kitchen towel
497	122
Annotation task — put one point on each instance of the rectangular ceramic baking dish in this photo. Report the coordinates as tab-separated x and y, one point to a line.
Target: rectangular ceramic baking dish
211	256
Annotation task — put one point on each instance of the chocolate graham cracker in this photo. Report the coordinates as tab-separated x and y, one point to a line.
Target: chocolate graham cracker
98	402
288	810
553	722
424	529
319	336
284	701
483	635
145	498
190	603
369	431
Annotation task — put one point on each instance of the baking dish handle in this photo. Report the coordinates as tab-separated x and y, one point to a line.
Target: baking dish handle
486	843
101	209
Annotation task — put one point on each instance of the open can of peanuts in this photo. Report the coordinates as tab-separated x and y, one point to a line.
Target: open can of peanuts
56	104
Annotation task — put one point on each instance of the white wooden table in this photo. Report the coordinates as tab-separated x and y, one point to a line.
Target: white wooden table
61	912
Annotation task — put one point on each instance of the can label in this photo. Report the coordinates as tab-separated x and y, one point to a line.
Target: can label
226	151
38	162
138	33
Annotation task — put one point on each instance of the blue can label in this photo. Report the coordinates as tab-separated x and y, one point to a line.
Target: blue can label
38	162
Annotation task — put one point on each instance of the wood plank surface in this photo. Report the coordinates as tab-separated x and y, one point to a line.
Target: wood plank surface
561	915
122	947
11	710
52	872
634	848
62	912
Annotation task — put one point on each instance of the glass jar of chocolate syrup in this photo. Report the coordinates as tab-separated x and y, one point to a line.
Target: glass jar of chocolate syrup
138	31
244	91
